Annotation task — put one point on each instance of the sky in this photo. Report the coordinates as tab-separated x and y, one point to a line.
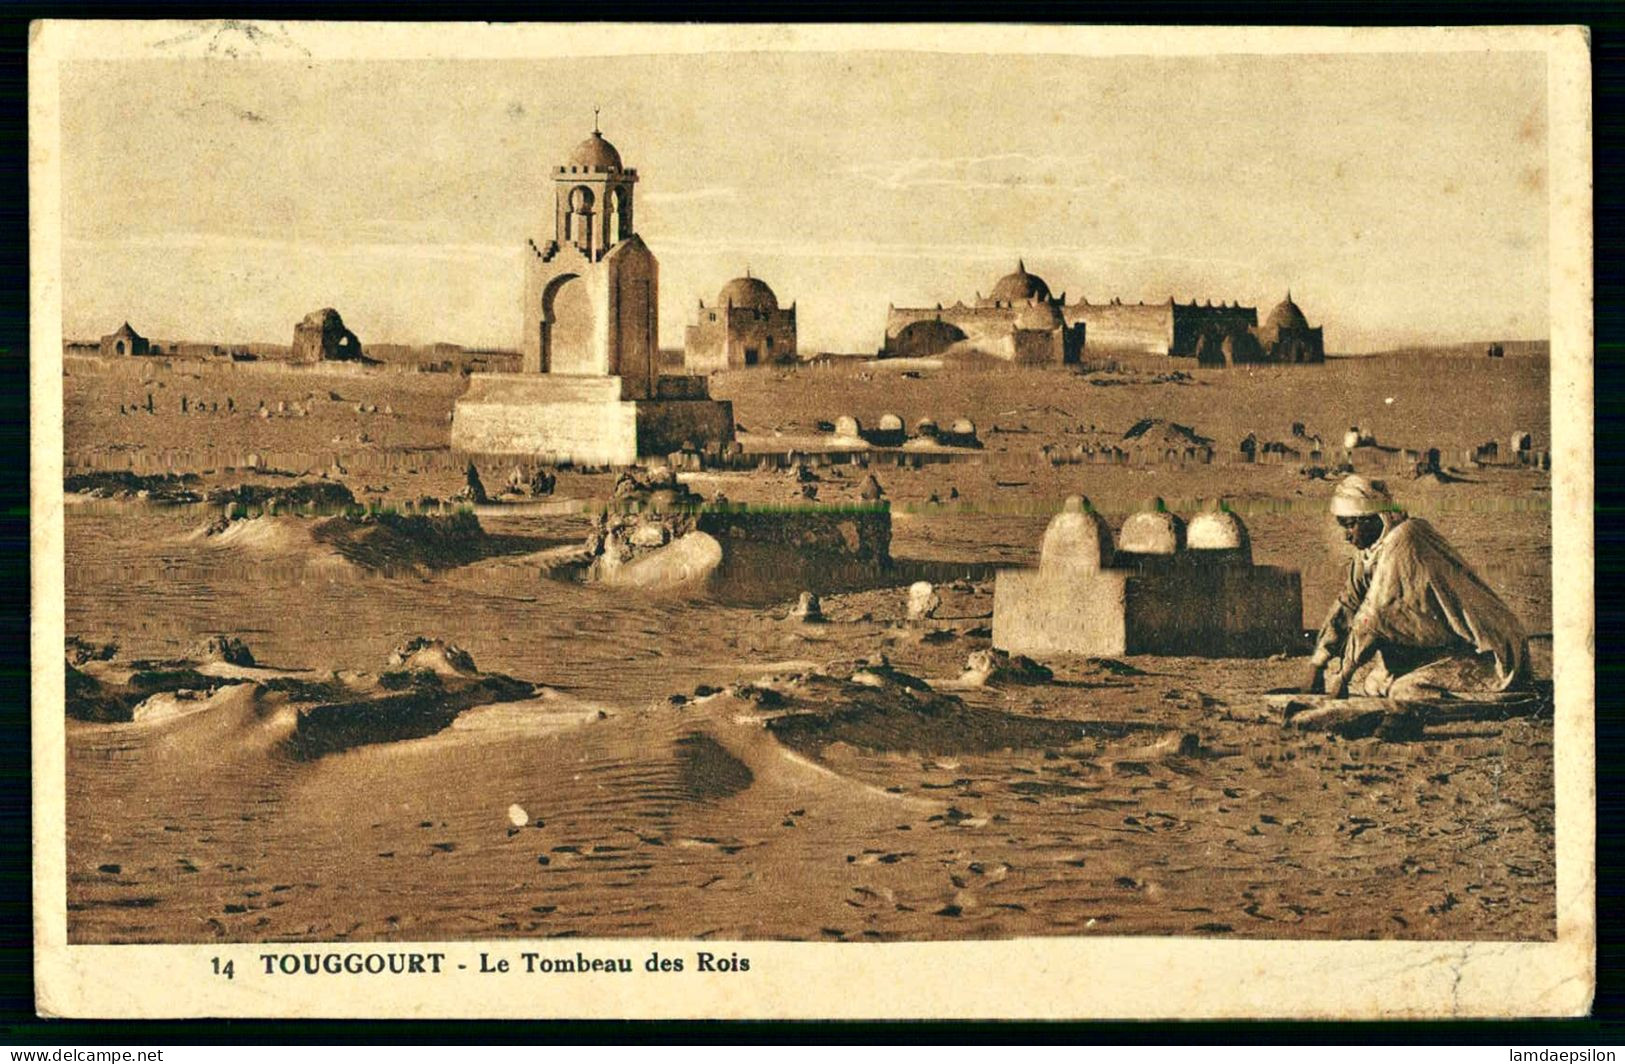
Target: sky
1401	198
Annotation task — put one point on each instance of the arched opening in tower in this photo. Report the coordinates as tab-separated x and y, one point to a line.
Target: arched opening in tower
579	221
567	327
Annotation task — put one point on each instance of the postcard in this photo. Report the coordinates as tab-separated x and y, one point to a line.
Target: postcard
790	521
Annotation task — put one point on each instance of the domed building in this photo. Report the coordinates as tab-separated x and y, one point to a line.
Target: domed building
1286	336
744	327
1016	289
1022	320
1019	320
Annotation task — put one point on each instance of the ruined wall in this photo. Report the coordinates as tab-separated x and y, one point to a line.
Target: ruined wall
862	533
1191	323
322	337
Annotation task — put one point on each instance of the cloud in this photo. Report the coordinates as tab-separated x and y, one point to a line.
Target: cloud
715	192
1008	171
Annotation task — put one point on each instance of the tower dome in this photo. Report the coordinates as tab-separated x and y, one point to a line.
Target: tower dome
1019	287
1077	540
1217	532
595	153
1152	531
748	292
1286	315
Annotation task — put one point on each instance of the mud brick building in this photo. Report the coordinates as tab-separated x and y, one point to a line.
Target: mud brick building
744	327
124	341
1286	336
1021	321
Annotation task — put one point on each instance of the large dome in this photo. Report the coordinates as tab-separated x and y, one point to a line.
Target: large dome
1019	287
748	292
596	153
1286	315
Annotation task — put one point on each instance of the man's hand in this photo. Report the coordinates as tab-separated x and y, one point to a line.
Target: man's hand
1337	684
1311	682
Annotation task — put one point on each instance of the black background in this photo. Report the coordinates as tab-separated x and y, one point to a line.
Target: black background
20	1027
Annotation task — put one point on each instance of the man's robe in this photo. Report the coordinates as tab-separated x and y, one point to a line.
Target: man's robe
1412	596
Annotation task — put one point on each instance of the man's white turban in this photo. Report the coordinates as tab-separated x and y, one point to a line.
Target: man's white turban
1357	496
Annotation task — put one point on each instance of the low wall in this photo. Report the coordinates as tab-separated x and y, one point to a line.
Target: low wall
860	533
748	557
667	425
770	556
682	386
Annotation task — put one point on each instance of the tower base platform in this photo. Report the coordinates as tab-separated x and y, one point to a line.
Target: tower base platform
585	420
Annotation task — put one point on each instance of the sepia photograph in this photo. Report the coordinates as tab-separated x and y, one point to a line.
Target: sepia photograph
700	493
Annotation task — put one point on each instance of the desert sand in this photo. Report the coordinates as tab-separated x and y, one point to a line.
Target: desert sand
702	768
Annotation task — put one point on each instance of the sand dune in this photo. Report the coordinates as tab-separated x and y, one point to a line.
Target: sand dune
699	766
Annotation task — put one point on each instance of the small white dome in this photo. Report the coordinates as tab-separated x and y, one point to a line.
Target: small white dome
1078	540
1152	531
1217	529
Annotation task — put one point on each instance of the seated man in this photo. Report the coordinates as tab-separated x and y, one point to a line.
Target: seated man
1412	606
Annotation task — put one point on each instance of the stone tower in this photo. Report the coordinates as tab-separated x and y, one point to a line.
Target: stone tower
592	291
590	390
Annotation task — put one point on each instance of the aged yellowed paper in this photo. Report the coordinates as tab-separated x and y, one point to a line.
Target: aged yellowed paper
790	521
